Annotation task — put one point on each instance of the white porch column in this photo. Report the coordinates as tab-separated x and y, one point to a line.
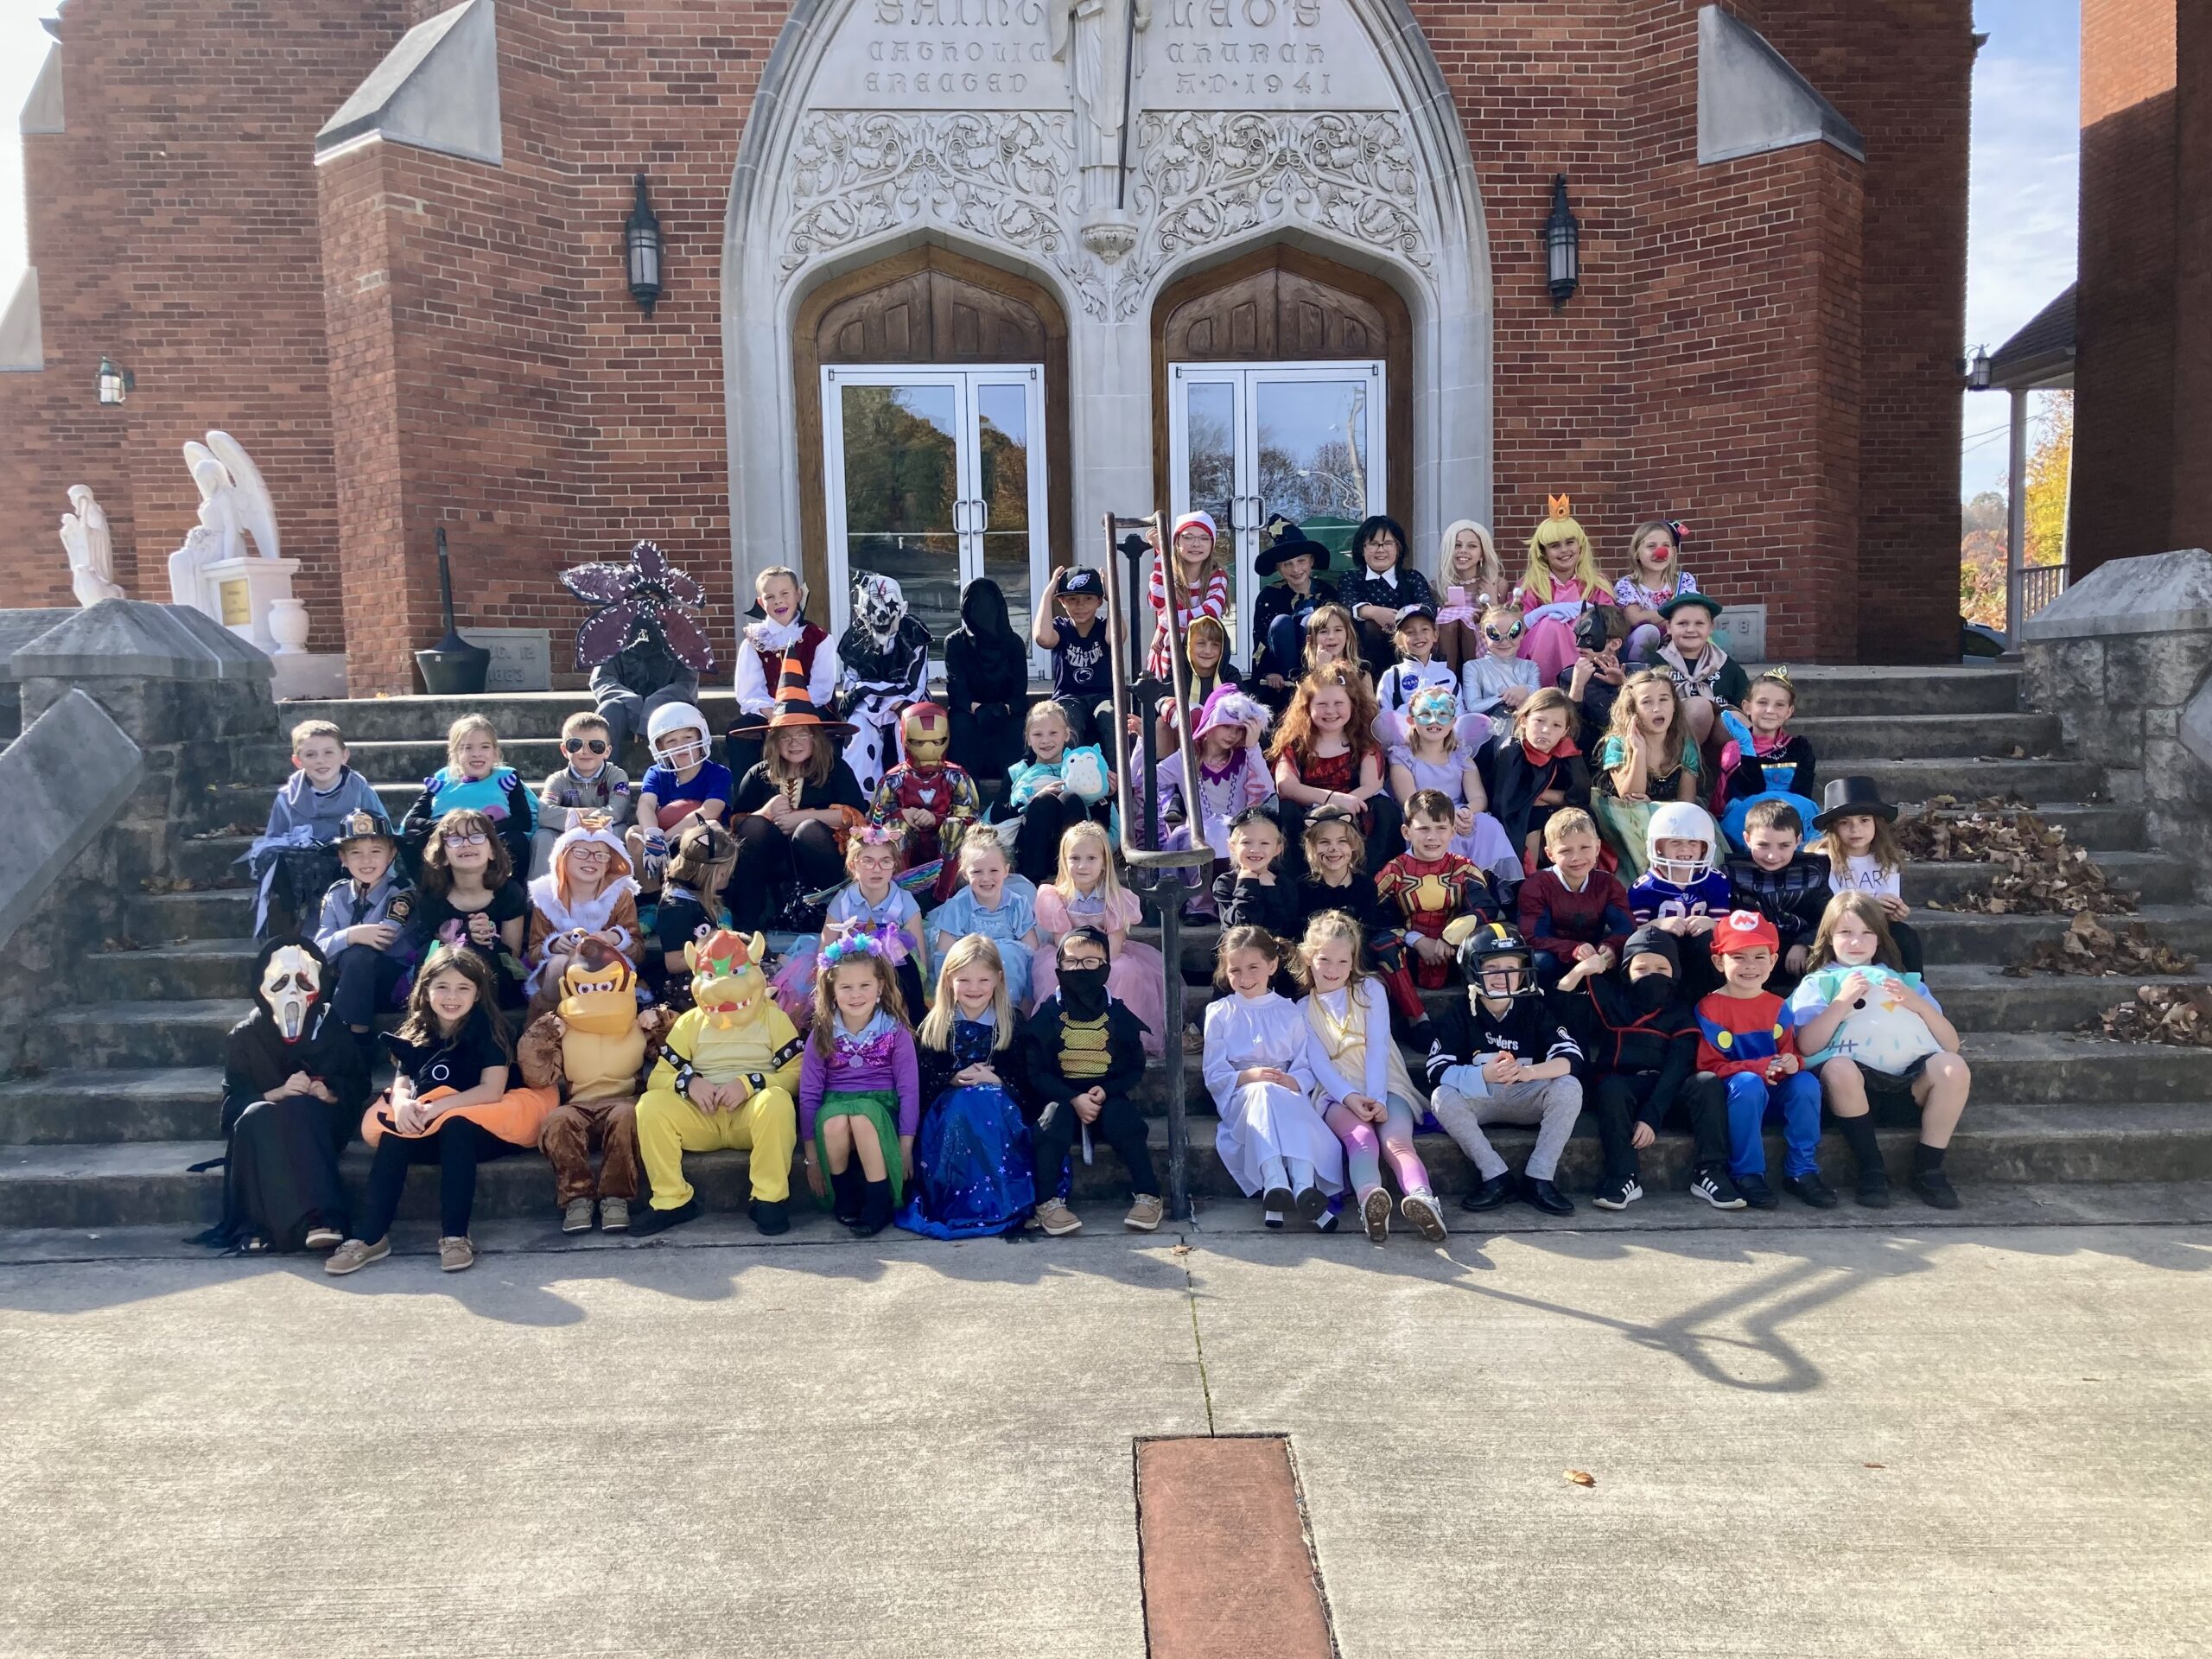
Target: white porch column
2016	517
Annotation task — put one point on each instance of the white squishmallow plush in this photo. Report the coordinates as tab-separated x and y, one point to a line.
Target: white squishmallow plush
1883	1036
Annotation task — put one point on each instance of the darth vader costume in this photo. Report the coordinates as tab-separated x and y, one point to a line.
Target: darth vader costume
280	1177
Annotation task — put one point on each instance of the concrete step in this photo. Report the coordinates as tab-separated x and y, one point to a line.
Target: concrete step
133	1035
146	1183
2157	878
89	1107
212	861
1839	741
512	713
190	970
1844	689
1978	772
212	913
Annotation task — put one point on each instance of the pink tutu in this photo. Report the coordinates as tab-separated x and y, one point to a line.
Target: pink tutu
1137	977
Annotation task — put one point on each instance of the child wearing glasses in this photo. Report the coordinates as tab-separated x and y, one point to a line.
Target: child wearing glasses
590	782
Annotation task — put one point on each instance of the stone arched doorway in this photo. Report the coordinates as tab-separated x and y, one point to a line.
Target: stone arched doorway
931	397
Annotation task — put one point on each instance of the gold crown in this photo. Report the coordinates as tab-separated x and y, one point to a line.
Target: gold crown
1558	506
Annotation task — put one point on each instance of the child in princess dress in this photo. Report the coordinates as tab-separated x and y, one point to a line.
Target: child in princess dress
1498	680
1439	753
1561	582
1271	1140
1087	894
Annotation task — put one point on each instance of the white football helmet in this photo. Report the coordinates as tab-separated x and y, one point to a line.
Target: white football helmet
669	720
1681	821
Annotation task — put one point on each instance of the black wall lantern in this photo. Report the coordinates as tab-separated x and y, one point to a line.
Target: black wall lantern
641	236
115	384
1562	246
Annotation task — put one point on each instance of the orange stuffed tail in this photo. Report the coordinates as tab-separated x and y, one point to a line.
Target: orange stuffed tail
516	1116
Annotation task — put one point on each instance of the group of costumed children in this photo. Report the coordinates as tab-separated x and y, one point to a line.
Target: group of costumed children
1600	818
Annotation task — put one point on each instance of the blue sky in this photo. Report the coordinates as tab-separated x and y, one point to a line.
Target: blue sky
2020	219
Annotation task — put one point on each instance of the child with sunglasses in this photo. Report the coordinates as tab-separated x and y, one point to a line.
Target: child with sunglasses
1500	679
590	782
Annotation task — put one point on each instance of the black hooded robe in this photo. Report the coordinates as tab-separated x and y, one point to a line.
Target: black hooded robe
281	1179
986	665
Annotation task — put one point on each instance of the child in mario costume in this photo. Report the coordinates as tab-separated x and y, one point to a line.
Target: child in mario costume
1746	1039
724	1080
926	797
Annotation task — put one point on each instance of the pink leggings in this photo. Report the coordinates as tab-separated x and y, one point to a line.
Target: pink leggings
1364	1142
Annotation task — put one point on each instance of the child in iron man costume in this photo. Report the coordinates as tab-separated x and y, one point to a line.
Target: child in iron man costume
928	798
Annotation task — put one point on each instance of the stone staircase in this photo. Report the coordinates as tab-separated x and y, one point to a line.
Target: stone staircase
128	1089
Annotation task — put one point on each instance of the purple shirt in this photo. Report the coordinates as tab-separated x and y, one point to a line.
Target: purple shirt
882	1057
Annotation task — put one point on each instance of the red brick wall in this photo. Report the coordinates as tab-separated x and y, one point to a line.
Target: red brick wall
495	376
2124	404
174	225
2192	503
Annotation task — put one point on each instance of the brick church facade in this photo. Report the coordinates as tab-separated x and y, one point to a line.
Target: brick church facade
417	314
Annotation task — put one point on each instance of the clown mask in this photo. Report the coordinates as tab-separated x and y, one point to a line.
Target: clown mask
879	606
291	984
927	731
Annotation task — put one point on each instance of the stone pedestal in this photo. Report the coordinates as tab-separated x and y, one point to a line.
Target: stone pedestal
2124	658
240	593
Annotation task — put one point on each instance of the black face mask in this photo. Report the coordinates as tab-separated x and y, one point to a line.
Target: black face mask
1651	993
1082	992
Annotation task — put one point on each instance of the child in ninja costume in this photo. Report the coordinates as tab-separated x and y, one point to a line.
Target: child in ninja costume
930	800
883	665
725	1079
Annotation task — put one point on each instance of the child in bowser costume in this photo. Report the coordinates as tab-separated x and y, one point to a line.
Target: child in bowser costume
725	1079
931	800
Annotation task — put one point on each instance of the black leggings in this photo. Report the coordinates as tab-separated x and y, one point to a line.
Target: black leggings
1044	821
767	856
458	1147
1120	1125
1618	1096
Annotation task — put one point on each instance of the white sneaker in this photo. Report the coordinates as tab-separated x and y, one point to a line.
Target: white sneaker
1420	1208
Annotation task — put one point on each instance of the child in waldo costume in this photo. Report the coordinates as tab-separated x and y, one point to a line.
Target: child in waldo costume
1198	575
929	800
1561	583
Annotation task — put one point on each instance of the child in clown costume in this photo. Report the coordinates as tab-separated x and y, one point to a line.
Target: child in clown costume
725	1079
927	798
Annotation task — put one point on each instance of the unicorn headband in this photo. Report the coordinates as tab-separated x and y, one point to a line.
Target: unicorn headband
878	834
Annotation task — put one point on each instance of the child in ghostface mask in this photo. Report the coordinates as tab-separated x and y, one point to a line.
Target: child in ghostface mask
1084	1053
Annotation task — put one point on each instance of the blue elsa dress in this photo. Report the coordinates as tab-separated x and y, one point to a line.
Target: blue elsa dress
972	1158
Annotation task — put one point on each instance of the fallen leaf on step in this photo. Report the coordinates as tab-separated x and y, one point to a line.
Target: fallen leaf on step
2040	870
2087	948
2180	1015
1582	1476
1873	1466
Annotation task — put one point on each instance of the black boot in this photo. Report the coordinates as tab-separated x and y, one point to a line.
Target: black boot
1929	1179
847	1190
769	1217
875	1209
1858	1133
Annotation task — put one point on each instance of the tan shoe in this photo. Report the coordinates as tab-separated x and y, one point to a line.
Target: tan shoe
1056	1219
353	1256
324	1238
615	1215
1144	1214
455	1255
576	1216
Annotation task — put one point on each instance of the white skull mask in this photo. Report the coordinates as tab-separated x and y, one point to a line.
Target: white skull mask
291	983
879	606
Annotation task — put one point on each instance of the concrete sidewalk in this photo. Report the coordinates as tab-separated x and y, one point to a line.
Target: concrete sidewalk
1962	1438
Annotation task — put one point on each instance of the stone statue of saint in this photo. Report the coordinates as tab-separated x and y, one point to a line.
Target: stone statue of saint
234	506
1092	37
91	550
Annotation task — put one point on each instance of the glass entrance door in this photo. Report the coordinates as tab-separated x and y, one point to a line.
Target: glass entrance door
1247	440
934	477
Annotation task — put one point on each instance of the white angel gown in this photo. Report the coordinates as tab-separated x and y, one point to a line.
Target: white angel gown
1259	1121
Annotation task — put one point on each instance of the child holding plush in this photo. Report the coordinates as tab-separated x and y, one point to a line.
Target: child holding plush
1654	577
1325	754
474	780
1648	759
996	903
587	894
1561	583
859	1087
1787	886
1086	1053
1085	893
1360	1079
1745	1040
1763	759
1863	855
1271	1138
589	782
1497	679
1429	885
1571	910
974	1168
1055	788
1875	1034
1472	578
296	859
1534	771
1641	1033
365	930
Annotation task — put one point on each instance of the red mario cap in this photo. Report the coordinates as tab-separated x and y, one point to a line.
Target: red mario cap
1743	930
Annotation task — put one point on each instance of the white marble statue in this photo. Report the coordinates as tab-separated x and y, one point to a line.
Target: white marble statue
1092	37
235	506
91	550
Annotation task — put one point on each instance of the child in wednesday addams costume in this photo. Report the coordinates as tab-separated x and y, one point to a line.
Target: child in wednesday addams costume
1640	1034
294	1082
1085	1052
1746	1040
883	660
1505	1055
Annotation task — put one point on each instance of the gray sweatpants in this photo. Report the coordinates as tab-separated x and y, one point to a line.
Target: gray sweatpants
1551	1103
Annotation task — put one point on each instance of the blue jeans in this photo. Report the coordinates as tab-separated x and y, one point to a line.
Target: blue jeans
1752	1100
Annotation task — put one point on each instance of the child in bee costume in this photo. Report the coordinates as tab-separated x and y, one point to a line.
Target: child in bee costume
727	1078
